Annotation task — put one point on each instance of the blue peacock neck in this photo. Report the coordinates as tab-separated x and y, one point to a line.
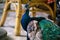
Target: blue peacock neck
27	12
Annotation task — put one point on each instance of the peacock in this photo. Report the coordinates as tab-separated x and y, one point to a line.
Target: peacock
26	18
50	31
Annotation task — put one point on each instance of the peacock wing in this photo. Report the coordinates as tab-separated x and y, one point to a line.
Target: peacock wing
50	31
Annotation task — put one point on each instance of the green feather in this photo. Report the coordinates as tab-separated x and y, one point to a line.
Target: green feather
50	31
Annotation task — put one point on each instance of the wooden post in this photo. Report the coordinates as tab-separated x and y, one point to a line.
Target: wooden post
18	18
55	10
18	15
4	13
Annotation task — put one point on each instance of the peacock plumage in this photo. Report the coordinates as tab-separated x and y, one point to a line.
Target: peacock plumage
26	18
50	31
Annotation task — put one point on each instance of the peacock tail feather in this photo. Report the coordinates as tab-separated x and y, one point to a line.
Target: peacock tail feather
50	31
